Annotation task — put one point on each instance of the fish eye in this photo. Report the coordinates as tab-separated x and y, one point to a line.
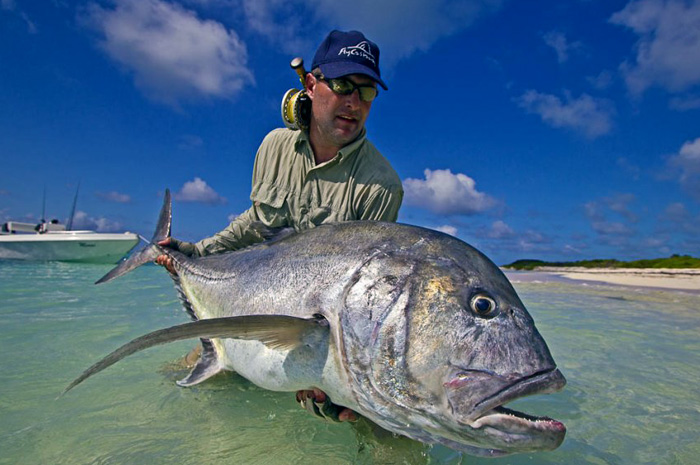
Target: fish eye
483	305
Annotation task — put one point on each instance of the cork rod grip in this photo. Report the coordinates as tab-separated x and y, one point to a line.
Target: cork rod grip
297	65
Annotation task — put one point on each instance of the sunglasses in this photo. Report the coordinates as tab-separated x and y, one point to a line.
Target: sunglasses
346	87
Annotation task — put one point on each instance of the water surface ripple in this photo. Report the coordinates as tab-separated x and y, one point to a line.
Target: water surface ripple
630	356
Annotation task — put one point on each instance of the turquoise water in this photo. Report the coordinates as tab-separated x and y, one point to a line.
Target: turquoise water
630	356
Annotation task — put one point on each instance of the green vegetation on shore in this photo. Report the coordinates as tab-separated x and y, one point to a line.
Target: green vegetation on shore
674	261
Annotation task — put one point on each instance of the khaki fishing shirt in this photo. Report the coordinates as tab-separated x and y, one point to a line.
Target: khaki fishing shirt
289	189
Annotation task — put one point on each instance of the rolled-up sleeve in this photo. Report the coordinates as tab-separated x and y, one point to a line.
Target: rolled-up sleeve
237	235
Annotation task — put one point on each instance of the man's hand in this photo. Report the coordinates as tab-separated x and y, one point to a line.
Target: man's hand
166	260
318	403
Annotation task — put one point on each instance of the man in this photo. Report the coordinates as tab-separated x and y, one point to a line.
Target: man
329	173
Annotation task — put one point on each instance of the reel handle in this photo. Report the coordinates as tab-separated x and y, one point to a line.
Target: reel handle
297	65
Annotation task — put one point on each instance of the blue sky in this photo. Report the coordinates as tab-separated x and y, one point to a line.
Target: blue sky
554	130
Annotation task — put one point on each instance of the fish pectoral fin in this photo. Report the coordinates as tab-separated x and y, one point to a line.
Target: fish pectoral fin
279	332
275	331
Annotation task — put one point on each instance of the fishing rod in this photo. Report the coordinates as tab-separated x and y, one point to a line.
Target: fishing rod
296	104
72	212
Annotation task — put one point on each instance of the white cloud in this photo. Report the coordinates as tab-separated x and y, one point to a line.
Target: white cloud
527	242
676	212
399	27
172	54
82	220
11	5
599	211
592	210
689	158
114	196
557	40
629	167
198	190
190	141
686	102
668	50
445	193
282	22
619	204
577	249
447	229
607	228
676	217
687	161
500	230
403	27
588	115
602	81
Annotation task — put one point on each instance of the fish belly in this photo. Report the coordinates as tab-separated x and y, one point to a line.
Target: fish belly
282	370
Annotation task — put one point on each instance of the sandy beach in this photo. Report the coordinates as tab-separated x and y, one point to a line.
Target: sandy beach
680	279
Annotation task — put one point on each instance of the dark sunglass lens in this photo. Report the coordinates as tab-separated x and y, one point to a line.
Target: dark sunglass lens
341	86
346	87
368	94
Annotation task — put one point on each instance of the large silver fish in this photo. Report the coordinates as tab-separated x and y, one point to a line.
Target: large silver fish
411	328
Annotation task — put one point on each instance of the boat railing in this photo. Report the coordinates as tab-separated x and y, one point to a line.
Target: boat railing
18	227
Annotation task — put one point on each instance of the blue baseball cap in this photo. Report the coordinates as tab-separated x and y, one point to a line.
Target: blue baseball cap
343	53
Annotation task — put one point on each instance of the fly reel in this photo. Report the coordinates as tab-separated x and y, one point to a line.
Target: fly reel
296	105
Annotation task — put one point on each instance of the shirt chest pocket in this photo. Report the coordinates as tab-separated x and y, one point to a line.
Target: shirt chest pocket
270	204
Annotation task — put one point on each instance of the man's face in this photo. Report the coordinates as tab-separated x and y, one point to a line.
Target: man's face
338	119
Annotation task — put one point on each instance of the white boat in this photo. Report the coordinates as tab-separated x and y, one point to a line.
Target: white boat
52	242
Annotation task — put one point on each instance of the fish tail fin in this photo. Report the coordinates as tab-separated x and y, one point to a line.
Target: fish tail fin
152	250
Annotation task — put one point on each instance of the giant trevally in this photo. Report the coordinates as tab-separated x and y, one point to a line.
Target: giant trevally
412	328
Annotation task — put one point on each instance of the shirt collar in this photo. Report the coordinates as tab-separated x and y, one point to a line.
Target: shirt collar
353	146
344	152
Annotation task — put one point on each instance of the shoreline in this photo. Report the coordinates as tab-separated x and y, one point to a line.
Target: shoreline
661	278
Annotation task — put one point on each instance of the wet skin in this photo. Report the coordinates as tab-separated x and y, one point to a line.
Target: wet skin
336	120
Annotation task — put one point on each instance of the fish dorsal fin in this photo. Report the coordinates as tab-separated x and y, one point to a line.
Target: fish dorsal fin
151	251
165	219
275	331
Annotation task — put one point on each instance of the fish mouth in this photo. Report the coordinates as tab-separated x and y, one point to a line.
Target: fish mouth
511	421
544	382
513	428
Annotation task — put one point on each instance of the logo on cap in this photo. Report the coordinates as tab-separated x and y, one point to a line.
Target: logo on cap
362	49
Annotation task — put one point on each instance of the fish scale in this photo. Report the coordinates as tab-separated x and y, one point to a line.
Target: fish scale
412	328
